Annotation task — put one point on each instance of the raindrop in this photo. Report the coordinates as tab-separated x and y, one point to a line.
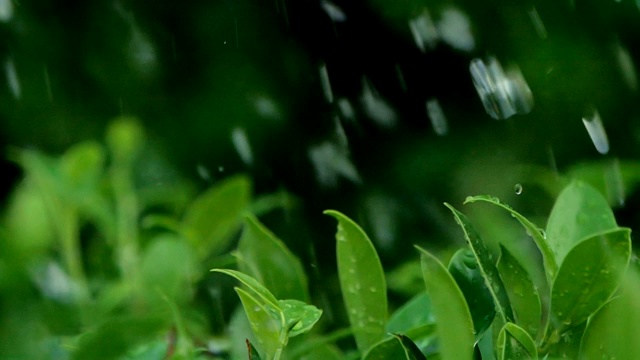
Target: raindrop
334	12
373	289
330	162
436	115
203	172
6	10
424	31
220	168
518	189
326	84
503	94
381	212
346	110
340	133
627	68
593	123
614	182
241	144
12	78
455	30
537	23
543	233
266	107
376	107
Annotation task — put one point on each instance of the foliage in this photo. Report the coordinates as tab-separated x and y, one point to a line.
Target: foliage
93	266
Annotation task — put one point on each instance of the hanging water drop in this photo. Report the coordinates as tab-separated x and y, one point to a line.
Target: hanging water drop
518	189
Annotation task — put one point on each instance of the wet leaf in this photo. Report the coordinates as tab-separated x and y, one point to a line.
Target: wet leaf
264	321
588	276
580	211
453	320
362	282
523	295
410	349
395	347
515	343
264	295
414	313
610	332
463	267
213	217
265	257
299	316
486	266
550	264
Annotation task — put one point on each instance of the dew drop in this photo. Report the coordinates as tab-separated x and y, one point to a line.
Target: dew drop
518	189
373	289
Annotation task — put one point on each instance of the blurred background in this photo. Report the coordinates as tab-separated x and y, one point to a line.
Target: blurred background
380	109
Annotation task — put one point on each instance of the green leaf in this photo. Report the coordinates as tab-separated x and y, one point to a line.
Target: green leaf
523	295
550	264
588	276
251	350
125	138
252	284
612	332
464	269
82	166
213	217
486	266
299	316
515	343
454	323
580	211
265	257
394	347
264	322
414	313
410	349
362	282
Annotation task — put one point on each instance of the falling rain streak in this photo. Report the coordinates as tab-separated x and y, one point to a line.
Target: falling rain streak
6	10
241	144
12	78
627	68
376	107
436	115
346	109
330	162
326	83
502	94
615	183
334	12
537	23
593	123
424	31
453	27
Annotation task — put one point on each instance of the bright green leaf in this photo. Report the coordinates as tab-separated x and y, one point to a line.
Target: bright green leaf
588	276
264	322
125	138
410	349
486	265
612	332
515	343
300	316
580	211
212	218
523	295
362	282
265	257
463	267
550	264
453	320
414	313
252	284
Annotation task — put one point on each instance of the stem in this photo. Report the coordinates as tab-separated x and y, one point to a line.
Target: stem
126	220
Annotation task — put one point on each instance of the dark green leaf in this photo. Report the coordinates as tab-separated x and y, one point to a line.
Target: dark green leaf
523	295
515	343
362	282
464	269
580	211
212	218
453	320
263	256
486	264
253	353
588	276
300	317
395	347
410	349
550	264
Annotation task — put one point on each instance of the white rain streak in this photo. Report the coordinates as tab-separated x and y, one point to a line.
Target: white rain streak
614	182
424	31
454	29
141	51
6	10
503	94
381	211
436	115
593	123
326	83
266	107
330	162
346	109
203	172
341	135
334	12
376	108
12	78
241	144
627	68
537	23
